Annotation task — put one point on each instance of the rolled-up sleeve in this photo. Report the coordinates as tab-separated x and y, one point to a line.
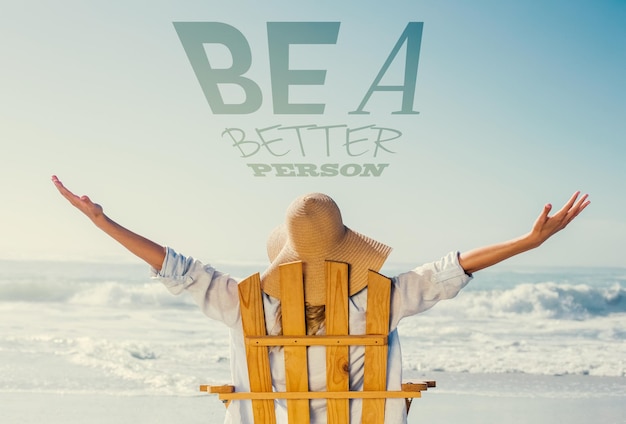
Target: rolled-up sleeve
215	293
421	288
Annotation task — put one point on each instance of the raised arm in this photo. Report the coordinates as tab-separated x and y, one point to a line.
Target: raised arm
545	227
149	251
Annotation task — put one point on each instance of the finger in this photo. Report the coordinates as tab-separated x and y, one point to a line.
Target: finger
543	216
577	207
73	199
582	203
64	191
58	183
566	207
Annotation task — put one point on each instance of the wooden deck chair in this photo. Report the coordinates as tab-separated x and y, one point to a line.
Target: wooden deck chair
337	341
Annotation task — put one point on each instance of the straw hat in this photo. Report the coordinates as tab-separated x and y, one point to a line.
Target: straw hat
313	232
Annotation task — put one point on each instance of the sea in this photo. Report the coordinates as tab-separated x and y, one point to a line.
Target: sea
99	328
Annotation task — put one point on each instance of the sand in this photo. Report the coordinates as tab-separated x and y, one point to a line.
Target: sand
466	398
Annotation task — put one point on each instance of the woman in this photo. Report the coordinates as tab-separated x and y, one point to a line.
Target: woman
313	232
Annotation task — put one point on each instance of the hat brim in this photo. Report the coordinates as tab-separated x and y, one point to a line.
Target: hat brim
361	253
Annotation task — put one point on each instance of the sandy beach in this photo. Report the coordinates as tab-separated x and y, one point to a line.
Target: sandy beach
468	398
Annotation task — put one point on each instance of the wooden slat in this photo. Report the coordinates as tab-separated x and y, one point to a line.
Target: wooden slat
406	387
337	359
343	395
409	391
377	322
364	340
416	387
226	388
253	321
219	390
294	324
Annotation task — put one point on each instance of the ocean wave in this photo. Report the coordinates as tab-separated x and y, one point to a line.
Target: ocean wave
543	300
549	300
106	294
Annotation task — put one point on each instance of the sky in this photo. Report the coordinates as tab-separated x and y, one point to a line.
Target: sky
517	104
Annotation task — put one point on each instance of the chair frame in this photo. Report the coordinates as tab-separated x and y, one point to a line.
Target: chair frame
337	340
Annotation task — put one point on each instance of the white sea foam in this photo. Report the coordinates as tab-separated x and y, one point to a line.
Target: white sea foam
555	300
543	300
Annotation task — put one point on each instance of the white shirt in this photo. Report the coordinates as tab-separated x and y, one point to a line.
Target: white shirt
217	295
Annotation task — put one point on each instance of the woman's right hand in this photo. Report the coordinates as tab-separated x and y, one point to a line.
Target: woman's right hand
149	251
82	203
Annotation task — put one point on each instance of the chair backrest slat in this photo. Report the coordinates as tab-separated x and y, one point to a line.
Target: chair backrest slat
377	322
337	357
253	321
294	324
